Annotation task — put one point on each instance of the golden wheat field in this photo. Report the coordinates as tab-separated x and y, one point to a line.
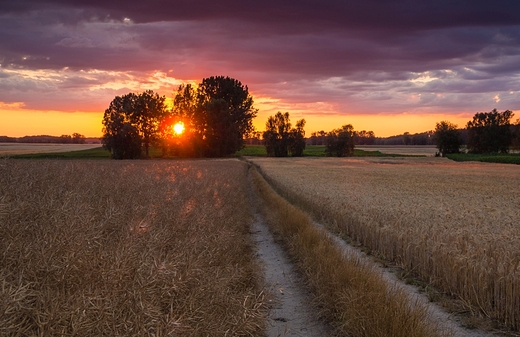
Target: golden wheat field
119	248
25	148
455	225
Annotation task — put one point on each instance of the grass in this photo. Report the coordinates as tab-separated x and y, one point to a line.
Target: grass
511	158
120	248
313	151
353	296
452	225
248	150
95	153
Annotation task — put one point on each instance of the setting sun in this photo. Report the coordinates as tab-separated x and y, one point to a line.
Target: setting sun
178	128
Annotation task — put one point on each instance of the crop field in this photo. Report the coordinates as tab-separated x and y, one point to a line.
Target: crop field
454	225
410	150
25	148
127	248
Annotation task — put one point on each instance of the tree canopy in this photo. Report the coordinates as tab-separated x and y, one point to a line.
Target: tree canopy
222	116
490	132
280	139
447	138
217	116
132	122
340	142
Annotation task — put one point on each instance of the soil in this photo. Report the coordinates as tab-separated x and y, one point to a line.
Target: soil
291	311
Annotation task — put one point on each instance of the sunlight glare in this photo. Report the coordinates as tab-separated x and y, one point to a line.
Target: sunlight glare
178	128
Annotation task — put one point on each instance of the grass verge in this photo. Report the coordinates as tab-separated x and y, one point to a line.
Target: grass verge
353	295
511	158
314	151
248	150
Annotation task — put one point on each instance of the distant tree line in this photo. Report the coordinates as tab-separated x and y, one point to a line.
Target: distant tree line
360	138
75	138
487	132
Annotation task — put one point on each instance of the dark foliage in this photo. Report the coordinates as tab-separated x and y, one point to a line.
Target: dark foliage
121	138
280	140
490	132
131	122
364	137
447	138
340	142
222	116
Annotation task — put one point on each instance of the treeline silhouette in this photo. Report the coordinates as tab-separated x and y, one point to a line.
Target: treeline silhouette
75	138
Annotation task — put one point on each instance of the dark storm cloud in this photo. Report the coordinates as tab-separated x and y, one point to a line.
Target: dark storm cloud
397	14
300	51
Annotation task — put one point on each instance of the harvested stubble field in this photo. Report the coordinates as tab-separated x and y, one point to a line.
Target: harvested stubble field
454	225
118	248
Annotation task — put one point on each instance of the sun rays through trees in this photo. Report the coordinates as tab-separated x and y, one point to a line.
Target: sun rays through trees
210	120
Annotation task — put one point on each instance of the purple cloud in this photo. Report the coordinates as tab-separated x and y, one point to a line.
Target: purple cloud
358	57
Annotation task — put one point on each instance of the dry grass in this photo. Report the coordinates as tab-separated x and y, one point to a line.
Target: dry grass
353	295
127	249
455	225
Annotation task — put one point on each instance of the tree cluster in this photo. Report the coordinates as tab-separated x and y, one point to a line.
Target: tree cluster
131	123
216	117
75	138
340	142
487	132
280	139
490	132
362	137
447	138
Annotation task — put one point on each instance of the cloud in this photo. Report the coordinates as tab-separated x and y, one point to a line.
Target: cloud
315	57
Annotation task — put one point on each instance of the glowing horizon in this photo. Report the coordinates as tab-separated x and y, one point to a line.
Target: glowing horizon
18	122
330	62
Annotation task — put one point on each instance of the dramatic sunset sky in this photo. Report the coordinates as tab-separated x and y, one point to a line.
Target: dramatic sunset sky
384	65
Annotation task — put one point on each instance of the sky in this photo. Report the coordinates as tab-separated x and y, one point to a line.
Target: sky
390	66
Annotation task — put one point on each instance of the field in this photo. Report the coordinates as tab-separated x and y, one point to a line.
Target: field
410	150
164	247
26	148
361	151
454	225
119	248
510	158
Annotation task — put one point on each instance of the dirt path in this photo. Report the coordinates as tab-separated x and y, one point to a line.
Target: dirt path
291	310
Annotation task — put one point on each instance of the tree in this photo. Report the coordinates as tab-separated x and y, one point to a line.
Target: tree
223	116
340	142
78	138
490	132
120	137
447	138
65	139
183	111
132	120
516	135
148	113
364	137
280	140
407	140
297	139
